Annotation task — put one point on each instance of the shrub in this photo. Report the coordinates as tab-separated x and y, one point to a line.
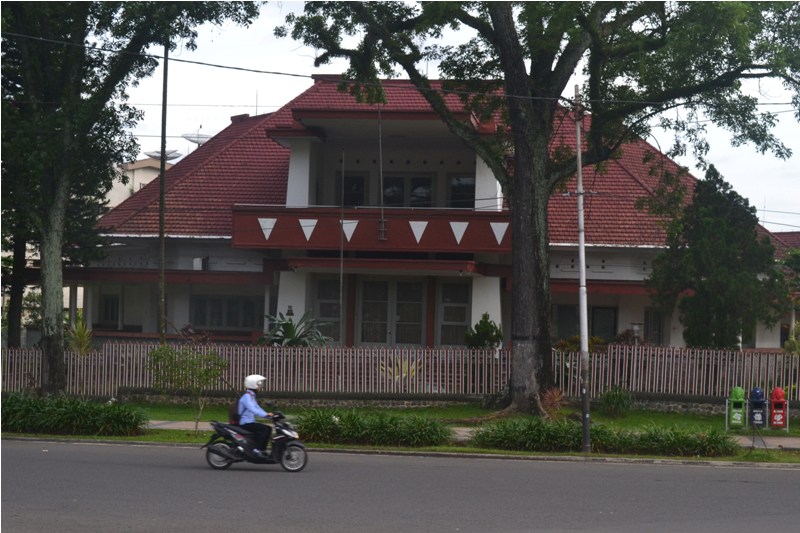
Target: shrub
553	401
285	332
62	415
615	402
539	435
333	426
485	334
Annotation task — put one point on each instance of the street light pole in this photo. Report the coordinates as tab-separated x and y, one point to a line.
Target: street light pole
582	307
162	298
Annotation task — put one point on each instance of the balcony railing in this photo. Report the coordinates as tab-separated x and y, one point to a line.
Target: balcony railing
372	229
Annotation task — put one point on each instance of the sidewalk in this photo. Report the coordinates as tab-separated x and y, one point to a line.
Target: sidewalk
461	434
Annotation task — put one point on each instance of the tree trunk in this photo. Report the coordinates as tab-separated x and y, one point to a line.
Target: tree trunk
17	294
531	124
53	367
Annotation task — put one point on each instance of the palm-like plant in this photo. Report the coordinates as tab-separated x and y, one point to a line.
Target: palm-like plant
285	332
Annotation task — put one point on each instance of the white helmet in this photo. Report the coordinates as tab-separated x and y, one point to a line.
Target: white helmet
253	381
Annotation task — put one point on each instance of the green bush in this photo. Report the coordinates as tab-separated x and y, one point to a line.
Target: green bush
539	435
62	415
335	426
615	402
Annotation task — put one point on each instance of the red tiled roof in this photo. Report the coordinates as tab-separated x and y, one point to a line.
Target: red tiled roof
242	165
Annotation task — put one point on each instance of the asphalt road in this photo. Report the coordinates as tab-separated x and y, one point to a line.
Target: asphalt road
71	487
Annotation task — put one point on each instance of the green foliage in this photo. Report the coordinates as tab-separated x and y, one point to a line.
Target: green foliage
573	344
485	334
539	435
186	368
717	270
792	344
640	60
71	135
335	426
285	332
61	415
400	367
79	337
615	402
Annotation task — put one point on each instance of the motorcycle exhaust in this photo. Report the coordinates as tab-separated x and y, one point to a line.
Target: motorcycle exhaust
222	452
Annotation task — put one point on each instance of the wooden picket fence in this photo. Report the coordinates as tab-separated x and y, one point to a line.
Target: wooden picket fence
439	371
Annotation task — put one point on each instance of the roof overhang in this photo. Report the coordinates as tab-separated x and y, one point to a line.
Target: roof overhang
386	266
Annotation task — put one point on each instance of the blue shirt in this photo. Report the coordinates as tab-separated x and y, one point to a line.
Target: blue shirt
249	408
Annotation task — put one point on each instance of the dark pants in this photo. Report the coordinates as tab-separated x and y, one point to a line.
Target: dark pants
261	432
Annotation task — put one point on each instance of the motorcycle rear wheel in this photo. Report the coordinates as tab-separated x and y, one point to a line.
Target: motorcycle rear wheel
293	458
218	462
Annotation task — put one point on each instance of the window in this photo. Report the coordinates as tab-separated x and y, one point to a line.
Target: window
653	326
604	323
392	312
408	191
109	309
355	191
567	322
328	308
227	312
462	191
455	313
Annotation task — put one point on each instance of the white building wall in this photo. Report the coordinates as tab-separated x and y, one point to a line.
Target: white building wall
486	299
292	292
488	193
298	184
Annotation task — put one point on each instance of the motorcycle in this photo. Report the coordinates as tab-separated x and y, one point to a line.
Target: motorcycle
233	444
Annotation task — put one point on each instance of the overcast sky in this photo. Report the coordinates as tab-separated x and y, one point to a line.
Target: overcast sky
203	98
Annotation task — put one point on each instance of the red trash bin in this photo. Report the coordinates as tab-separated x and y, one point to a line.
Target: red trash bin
777	409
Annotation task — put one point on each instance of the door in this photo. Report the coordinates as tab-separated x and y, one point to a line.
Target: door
391	312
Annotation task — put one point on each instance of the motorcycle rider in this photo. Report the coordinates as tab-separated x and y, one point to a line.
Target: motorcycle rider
249	410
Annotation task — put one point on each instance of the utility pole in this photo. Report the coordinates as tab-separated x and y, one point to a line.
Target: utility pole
162	297
582	306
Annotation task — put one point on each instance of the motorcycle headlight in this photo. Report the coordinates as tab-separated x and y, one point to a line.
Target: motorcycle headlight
291	433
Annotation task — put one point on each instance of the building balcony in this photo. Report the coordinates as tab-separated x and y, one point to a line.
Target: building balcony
424	230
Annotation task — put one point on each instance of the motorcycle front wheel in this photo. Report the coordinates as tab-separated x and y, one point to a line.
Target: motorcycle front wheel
218	462
293	458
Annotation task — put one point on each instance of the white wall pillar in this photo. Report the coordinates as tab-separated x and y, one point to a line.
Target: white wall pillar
298	185
486	298
267	294
488	193
292	292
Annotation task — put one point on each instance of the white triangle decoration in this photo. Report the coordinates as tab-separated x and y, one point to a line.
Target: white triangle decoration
418	227
458	230
308	225
267	224
349	226
499	229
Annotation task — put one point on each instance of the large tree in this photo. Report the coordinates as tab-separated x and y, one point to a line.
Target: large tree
718	270
639	59
66	70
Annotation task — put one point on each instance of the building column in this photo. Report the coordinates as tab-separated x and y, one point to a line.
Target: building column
486	298
298	185
292	294
488	193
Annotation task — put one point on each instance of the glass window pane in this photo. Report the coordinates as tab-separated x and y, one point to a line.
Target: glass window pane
250	314
455	293
393	192
199	312
421	192
462	191
232	315
604	322
354	191
453	335
455	313
328	289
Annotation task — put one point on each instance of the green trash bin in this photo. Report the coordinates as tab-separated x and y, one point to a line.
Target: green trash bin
735	409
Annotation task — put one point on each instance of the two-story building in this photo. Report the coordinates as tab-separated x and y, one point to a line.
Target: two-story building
377	220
